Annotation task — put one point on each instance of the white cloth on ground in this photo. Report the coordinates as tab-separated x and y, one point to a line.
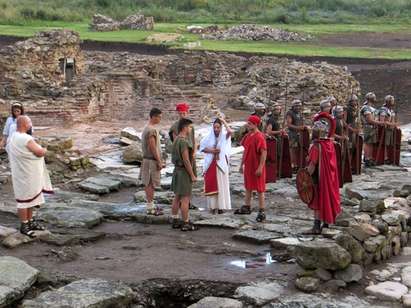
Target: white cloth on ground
30	177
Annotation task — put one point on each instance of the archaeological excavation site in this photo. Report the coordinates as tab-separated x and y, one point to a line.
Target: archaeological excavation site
89	103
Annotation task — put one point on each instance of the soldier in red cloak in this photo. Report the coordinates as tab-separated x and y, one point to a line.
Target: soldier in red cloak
322	165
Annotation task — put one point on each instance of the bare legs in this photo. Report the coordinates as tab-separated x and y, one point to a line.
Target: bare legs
25	215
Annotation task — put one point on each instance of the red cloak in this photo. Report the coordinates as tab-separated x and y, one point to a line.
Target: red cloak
327	196
210	179
271	162
254	144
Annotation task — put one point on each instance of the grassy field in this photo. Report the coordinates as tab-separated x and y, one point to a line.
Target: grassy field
264	47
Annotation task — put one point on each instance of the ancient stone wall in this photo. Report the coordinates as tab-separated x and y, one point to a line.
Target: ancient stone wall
124	86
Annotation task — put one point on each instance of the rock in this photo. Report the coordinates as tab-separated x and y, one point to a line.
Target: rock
256	236
307	284
344	219
131	134
160	197
394	218
406	251
5	231
362	231
16	239
384	274
351	245
381	226
88	293
396	245
390	291
221	222
373	243
66	237
321	253
363	218
217	302
132	154
162	38
372	206
334	285
138	22
406	276
404	239
353	273
406	300
100	184
284	243
323	274
70	217
259	293
16	277
256	33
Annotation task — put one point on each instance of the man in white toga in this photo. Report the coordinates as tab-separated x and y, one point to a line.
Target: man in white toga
29	175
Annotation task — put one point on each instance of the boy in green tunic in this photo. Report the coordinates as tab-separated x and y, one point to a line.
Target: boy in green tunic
183	175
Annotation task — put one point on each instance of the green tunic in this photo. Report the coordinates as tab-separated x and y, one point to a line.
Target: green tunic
181	183
190	140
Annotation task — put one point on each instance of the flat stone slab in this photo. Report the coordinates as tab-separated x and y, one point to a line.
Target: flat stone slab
67	196
256	236
91	293
16	239
6	231
217	302
16	276
260	293
389	290
70	217
221	222
73	236
100	185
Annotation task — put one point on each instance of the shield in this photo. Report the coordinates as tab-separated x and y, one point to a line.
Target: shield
305	186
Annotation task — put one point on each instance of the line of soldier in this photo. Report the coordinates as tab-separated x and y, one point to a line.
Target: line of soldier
368	130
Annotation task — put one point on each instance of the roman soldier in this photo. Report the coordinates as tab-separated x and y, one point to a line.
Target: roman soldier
354	133
370	126
298	135
322	166
389	142
278	153
342	149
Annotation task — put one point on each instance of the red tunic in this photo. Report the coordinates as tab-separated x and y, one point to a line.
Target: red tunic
254	144
327	195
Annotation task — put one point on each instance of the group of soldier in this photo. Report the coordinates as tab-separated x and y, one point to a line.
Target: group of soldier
357	128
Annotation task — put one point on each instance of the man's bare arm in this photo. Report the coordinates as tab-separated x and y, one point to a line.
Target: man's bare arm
187	164
36	149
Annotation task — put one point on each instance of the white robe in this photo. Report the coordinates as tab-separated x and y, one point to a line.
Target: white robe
29	174
221	200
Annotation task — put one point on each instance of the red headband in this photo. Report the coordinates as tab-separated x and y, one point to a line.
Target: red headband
254	119
182	107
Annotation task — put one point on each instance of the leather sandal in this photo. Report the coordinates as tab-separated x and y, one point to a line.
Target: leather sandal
244	210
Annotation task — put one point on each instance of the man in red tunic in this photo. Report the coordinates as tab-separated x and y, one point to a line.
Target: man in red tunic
322	165
253	167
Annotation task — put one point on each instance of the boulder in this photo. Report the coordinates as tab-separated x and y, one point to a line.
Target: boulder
70	217
406	300
362	231
372	206
334	285
394	218
217	302
90	293
353	273
100	184
132	154
131	134
323	274
321	253
389	290
259	293
350	244
374	243
6	231
16	239
16	277
307	284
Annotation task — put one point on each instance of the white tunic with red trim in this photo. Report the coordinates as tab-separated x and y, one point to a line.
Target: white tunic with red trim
29	173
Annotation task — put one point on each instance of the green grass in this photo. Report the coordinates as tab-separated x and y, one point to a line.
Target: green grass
275	48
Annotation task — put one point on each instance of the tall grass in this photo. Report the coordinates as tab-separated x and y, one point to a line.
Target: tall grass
260	11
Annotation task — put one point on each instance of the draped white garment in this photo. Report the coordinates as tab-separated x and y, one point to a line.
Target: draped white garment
29	173
223	143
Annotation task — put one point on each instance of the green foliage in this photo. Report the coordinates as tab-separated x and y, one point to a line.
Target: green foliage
227	11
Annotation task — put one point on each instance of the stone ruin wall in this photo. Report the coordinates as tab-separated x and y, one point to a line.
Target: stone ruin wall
124	86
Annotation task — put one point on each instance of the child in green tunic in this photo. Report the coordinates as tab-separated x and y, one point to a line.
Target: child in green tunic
183	175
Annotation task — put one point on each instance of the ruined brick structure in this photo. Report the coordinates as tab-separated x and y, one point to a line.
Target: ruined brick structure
124	86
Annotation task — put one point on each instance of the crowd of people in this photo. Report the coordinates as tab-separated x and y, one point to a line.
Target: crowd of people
277	144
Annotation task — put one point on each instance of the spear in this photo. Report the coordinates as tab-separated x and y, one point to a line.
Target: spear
280	163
